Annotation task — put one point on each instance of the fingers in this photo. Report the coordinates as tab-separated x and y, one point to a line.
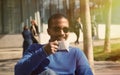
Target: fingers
54	46
55	43
51	47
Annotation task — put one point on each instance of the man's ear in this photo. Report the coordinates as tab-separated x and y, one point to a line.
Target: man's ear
48	31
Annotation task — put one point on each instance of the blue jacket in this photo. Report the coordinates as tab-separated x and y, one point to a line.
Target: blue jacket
35	60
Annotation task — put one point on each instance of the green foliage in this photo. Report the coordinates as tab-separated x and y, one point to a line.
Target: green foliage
100	55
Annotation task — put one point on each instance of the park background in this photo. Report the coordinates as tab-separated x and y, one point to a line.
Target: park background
14	14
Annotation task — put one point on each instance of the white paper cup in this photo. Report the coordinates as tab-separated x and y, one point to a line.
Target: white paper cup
63	45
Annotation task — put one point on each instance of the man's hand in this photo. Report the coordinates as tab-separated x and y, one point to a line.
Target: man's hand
51	47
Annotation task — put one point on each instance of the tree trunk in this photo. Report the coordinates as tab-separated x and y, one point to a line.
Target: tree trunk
71	12
108	8
87	37
65	6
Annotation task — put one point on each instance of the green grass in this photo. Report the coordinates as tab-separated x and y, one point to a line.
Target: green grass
101	55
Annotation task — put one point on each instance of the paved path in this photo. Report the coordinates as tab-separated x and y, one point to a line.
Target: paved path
9	57
107	68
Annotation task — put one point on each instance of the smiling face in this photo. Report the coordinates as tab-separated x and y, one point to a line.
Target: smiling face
59	29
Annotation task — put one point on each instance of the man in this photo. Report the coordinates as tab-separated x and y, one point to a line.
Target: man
48	59
77	28
27	36
35	32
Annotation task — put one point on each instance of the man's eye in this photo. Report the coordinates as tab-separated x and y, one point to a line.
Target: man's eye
66	30
56	29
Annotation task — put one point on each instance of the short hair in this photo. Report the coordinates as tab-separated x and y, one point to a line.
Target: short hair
55	16
25	27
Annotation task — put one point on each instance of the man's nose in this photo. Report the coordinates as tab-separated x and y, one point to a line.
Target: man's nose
62	32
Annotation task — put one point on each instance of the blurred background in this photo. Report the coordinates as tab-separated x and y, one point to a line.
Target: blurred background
104	14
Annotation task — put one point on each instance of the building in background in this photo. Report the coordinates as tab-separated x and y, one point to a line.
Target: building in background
14	14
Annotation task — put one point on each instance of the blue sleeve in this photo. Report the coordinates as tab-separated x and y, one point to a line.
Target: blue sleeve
30	61
82	65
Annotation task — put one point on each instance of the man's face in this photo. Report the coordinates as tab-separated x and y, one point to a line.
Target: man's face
59	29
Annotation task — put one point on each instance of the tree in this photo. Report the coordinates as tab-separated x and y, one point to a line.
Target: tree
87	37
108	8
71	13
65	8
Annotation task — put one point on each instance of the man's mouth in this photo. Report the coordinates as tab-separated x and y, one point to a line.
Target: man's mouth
60	38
